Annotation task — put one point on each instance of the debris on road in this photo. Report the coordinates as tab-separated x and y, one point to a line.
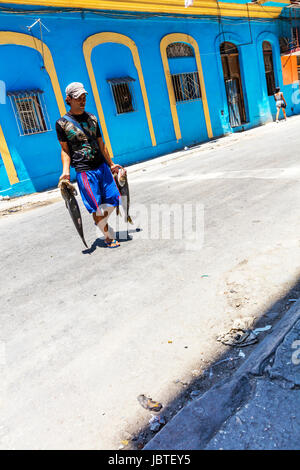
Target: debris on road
195	393
184	384
265	328
241	334
224	360
156	422
238	338
149	404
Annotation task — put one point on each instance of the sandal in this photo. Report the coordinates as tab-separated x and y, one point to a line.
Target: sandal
112	244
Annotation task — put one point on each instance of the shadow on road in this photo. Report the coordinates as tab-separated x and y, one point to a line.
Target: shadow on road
122	237
220	371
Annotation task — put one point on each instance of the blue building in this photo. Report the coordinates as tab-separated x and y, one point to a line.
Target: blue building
159	76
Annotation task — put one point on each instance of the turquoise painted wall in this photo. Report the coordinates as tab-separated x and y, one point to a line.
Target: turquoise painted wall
37	157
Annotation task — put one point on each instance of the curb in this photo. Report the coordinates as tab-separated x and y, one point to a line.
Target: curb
194	425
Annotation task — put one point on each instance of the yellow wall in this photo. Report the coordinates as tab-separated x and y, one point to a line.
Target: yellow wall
200	7
7	160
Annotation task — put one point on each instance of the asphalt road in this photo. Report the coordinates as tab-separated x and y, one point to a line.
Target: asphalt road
84	332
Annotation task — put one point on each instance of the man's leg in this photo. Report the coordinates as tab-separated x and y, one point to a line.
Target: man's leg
277	114
101	222
110	200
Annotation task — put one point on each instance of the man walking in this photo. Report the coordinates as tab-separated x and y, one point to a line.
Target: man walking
82	147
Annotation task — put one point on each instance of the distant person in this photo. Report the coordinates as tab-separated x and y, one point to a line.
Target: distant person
280	103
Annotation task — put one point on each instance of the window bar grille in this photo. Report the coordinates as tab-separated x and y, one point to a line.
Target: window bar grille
30	112
35	113
25	112
129	92
21	107
33	124
120	91
37	125
41	117
123	90
37	108
186	86
12	102
45	111
116	101
117	89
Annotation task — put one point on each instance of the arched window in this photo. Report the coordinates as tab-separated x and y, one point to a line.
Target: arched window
269	69
228	48
186	85
179	49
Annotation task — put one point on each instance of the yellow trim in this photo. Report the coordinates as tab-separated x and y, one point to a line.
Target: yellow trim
180	37
101	38
20	39
207	7
7	160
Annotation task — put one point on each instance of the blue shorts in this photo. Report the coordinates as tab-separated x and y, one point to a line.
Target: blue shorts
98	187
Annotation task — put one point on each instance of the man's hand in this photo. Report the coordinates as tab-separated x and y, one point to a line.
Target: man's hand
65	185
115	168
64	176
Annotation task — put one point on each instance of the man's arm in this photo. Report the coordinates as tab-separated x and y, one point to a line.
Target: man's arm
66	160
106	155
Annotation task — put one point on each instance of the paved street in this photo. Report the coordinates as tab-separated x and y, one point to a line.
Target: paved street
84	332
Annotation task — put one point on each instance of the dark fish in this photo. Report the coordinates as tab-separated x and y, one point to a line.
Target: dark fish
122	183
73	208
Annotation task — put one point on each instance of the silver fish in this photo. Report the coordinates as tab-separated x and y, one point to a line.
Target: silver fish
122	184
68	193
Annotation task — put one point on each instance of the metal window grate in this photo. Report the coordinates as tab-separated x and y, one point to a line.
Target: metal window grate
186	86
30	111
179	49
269	69
122	91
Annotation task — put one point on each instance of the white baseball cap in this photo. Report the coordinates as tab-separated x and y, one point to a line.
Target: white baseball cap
75	90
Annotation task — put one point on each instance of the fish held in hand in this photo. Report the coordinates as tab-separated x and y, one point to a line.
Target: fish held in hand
123	187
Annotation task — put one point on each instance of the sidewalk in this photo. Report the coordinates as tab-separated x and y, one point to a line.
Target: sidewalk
257	410
11	205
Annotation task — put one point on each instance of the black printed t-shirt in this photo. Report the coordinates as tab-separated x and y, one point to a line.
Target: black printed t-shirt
85	153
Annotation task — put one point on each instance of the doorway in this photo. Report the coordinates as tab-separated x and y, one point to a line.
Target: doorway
233	84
